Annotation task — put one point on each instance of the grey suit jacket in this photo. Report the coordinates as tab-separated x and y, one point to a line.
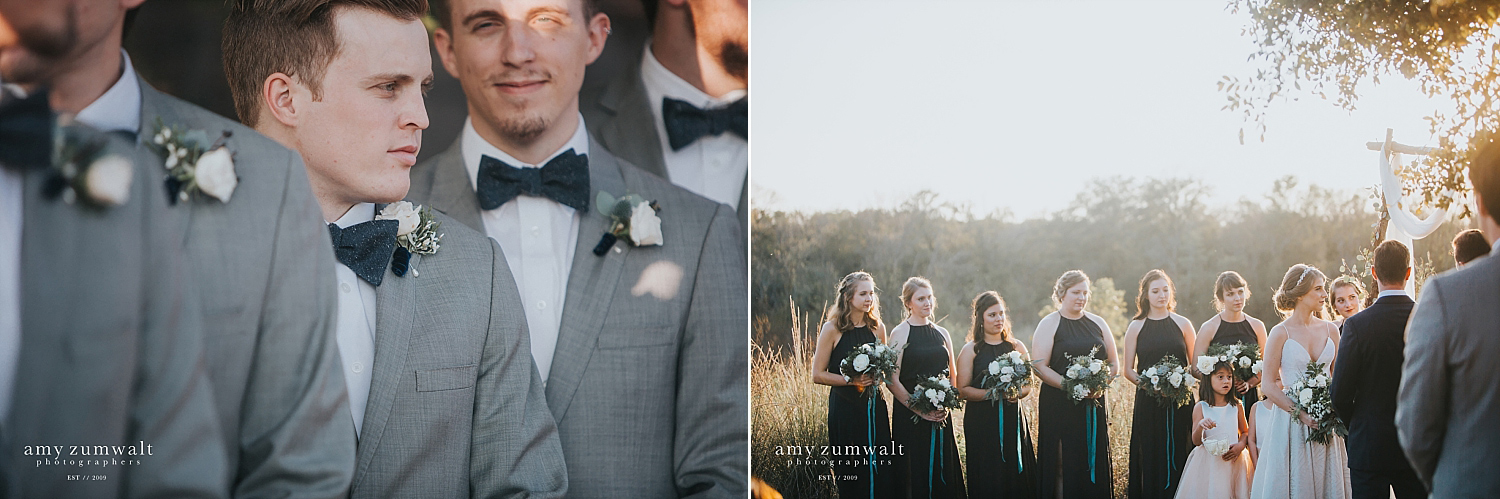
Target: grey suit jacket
648	382
456	404
110	352
1448	401
263	264
619	116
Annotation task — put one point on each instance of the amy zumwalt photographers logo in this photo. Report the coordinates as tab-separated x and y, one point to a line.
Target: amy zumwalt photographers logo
822	456
87	456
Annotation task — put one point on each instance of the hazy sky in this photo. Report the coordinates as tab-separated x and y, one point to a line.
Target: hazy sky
861	103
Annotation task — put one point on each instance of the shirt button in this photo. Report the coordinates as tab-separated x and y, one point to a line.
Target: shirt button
358	367
536	231
344	286
541	305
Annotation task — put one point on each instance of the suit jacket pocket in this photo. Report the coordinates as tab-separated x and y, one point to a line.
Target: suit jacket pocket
638	336
447	378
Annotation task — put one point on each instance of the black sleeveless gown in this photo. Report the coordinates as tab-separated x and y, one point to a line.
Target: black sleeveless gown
933	469
1160	437
1074	438
858	421
1230	333
998	467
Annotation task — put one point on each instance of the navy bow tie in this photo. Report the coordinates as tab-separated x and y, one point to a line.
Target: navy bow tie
25	131
686	123
365	248
565	179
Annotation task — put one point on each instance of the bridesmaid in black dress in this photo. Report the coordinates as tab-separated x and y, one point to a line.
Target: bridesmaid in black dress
933	469
1001	460
1232	325
1073	437
1160	436
857	415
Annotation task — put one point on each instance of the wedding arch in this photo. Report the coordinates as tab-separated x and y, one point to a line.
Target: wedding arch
1399	220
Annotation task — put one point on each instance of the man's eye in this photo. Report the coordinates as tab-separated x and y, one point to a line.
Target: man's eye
389	87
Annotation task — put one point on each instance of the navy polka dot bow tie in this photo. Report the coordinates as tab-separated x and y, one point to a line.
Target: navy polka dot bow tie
25	131
564	179
686	123
365	248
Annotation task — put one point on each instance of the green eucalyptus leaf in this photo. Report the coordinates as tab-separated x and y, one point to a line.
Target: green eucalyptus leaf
604	202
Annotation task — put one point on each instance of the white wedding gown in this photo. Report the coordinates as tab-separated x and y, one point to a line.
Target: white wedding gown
1290	467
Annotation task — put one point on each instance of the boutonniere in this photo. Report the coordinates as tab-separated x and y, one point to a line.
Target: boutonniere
631	217
416	232
81	170
194	164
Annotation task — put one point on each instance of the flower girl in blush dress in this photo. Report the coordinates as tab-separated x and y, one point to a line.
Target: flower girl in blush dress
1219	466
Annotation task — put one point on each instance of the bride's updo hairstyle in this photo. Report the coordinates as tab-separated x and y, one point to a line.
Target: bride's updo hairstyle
1296	284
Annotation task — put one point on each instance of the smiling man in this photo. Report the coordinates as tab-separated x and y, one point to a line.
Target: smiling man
444	397
642	341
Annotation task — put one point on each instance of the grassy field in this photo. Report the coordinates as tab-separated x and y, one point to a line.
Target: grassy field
788	409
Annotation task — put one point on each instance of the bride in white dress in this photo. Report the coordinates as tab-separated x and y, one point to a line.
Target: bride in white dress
1290	466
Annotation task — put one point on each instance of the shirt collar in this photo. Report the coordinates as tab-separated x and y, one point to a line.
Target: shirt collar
661	82
474	146
1391	292
119	109
360	213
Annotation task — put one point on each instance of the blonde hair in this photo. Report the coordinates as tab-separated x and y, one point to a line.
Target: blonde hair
840	311
1065	282
910	288
982	303
1228	280
1347	280
1296	284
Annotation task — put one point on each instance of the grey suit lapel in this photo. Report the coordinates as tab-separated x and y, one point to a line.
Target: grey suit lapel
451	192
591	287
635	140
395	312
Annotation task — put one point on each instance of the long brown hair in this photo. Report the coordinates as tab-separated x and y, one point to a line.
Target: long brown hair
910	288
982	303
841	310
1206	386
1143	304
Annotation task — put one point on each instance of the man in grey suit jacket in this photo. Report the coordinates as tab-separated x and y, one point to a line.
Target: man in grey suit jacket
645	360
1448	401
444	395
102	390
257	256
698	55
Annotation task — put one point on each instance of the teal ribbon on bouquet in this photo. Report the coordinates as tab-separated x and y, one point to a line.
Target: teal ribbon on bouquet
1171	414
1000	430
1093	423
933	448
870	438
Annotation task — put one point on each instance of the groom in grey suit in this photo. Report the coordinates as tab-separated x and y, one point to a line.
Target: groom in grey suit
257	256
445	399
643	346
1450	383
98	343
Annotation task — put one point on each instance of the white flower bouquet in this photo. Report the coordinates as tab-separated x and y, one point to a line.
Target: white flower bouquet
1005	376
1216	447
1085	375
932	394
1243	358
1310	394
873	359
1169	382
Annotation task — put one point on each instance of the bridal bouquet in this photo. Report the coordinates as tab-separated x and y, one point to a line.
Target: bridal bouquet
1169	382
1310	395
1005	376
934	393
1085	375
1243	358
873	359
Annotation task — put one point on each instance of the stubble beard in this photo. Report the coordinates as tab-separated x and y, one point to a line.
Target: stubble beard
523	127
40	53
736	59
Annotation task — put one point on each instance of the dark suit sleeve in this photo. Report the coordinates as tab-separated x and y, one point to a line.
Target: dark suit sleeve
173	407
1422	403
712	424
296	436
515	450
1348	371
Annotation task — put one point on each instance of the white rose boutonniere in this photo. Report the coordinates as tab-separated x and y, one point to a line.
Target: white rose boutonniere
416	232
194	164
632	217
82	170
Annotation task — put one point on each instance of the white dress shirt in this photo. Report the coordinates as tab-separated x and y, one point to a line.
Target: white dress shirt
11	188
1390	292
712	166
539	236
119	109
356	324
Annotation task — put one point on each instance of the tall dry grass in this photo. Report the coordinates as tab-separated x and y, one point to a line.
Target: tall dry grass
788	409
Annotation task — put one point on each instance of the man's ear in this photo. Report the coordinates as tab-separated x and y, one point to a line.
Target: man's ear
277	96
443	41
599	29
